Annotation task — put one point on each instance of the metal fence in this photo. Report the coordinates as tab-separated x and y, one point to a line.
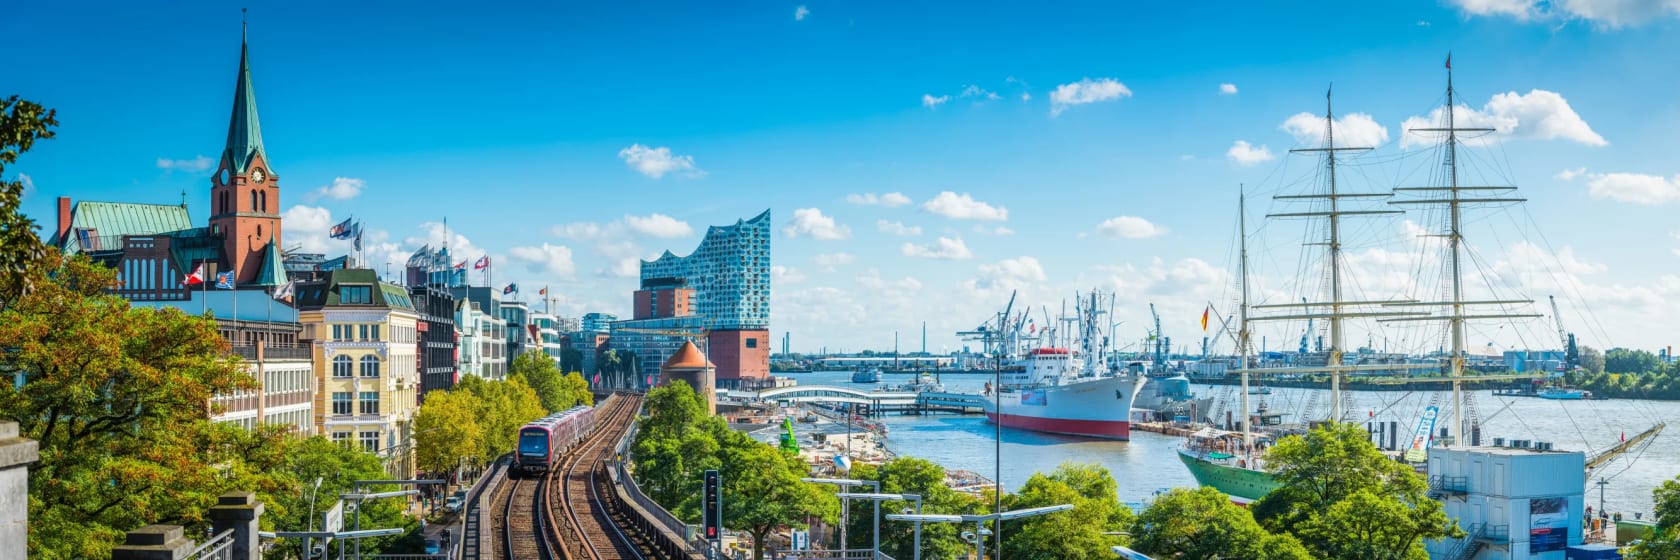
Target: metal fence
659	513
219	547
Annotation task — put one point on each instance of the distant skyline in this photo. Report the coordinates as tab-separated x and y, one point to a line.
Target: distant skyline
920	161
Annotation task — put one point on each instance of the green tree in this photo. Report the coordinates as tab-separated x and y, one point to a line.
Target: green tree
556	391
1591	359
337	465
674	443
610	367
1664	541
1333	475
571	360
1078	533
116	396
501	407
762	490
446	431
1623	360
22	122
1203	524
909	475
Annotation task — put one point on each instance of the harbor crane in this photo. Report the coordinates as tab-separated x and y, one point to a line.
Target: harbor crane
1571	353
1159	348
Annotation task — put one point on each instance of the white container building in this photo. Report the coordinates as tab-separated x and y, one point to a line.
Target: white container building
1522	500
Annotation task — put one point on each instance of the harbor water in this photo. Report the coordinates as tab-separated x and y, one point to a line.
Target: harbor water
1147	464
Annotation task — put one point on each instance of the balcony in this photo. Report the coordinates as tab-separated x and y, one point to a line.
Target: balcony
1440	485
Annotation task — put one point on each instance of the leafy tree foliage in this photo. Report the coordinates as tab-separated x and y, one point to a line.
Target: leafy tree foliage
116	396
447	431
1592	360
1623	360
1664	541
1344	499
761	487
571	360
1203	524
1074	534
501	407
909	475
337	465
22	122
556	391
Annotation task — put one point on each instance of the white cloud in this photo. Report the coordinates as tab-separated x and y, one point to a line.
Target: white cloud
200	163
897	228
1352	129
656	162
929	101
964	207
785	275
1086	91
889	200
341	188
579	230
28	185
800	13
1227	89
999	230
977	91
811	222
306	227
1129	227
830	261
658	225
872	279
1604	14
944	248
1650	190
1537	115
549	259
1570	174
1422	23
1008	274
1243	153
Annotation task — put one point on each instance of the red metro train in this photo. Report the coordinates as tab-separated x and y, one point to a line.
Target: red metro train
544	439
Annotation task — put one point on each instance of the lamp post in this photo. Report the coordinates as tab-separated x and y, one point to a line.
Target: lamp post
846	484
878	498
980	532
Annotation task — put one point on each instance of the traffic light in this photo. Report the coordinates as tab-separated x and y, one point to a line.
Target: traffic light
712	507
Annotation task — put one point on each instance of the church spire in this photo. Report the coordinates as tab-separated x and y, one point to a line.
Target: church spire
244	134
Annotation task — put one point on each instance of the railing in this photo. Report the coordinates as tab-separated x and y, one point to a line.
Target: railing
1495	534
834	554
634	490
1449	484
219	547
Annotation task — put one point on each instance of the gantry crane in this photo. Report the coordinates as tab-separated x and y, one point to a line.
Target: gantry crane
1571	353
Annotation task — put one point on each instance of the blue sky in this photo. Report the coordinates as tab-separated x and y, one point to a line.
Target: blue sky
568	141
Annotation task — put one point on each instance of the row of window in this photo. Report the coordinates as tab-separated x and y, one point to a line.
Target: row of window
368	439
343	366
368	332
344	405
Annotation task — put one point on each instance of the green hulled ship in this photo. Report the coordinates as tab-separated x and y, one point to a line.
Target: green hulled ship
1237	475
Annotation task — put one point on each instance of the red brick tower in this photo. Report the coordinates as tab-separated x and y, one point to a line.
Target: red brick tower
245	192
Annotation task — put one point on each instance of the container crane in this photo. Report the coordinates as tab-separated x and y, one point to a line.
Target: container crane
1571	353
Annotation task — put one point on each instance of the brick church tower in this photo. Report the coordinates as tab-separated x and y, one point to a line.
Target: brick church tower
245	192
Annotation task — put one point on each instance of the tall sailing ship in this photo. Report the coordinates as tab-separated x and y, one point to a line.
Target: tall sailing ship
1233	462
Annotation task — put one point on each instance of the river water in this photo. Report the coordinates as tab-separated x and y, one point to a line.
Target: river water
1149	463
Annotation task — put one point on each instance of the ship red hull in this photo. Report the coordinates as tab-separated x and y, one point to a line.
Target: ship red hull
1106	429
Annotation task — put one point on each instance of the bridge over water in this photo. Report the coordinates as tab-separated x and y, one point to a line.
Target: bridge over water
876	402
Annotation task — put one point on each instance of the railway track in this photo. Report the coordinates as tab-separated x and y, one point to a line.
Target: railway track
596	528
523	520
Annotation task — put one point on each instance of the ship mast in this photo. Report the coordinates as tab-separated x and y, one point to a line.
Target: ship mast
1455	200
1242	310
1335	310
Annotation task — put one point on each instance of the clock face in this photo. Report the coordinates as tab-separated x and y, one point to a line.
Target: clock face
258	176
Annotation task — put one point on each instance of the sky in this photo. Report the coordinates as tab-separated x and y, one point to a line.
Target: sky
921	162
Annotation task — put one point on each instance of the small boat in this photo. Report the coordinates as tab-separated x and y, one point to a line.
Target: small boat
1260	391
1562	394
923	384
869	374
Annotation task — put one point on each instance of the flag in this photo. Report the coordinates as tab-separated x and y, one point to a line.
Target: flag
1624	435
483	263
597	379
461	265
196	278
285	291
510	289
543	292
224	281
1204	318
358	229
1449	61
343	230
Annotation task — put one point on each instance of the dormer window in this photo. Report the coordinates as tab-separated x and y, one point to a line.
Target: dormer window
355	295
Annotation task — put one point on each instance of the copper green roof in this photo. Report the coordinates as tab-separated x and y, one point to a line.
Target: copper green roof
273	271
244	134
109	221
328	293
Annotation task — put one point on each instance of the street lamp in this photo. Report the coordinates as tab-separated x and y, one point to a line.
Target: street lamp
980	532
846	505
878	498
